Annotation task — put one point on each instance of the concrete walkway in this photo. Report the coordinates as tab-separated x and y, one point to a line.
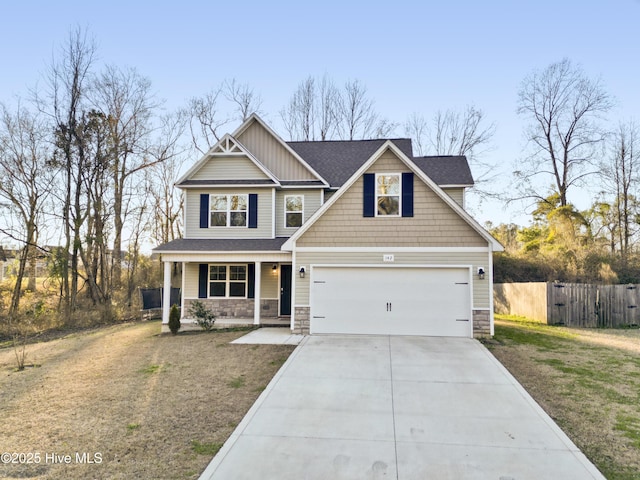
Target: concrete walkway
270	336
403	408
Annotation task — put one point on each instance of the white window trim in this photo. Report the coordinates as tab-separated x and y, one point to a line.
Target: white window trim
228	279
286	211
228	211
388	174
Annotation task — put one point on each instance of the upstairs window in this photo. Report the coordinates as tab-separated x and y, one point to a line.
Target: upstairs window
293	210
388	194
228	210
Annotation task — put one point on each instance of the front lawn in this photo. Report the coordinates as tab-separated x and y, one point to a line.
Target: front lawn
588	381
124	402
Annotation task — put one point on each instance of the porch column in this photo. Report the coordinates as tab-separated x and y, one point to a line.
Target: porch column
166	293
256	294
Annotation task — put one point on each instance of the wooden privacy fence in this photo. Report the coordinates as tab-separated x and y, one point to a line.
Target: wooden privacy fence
571	304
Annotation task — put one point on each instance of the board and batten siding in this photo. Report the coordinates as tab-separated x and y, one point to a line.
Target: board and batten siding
229	168
192	223
312	202
273	154
269	287
434	224
481	288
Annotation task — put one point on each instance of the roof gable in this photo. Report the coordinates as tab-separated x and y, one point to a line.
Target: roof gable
421	176
274	152
227	160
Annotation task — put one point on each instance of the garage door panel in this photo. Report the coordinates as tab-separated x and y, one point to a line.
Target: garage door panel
391	301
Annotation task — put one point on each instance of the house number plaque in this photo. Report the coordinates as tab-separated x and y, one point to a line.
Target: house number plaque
387	258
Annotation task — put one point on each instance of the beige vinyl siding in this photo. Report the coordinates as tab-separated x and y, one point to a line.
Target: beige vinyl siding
270	281
434	223
273	154
192	223
229	168
312	199
191	274
481	288
456	194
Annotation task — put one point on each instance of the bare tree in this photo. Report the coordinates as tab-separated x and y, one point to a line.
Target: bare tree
26	183
124	98
243	97
206	119
318	110
454	132
166	199
358	114
417	128
67	89
564	107
620	175
299	114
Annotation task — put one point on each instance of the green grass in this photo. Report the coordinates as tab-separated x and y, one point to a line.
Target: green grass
150	369
209	449
587	385
237	382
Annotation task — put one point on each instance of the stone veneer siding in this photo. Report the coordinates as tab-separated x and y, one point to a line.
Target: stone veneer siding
481	323
224	308
269	308
302	320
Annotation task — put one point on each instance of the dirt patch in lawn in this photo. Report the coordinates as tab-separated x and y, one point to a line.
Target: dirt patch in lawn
588	381
124	402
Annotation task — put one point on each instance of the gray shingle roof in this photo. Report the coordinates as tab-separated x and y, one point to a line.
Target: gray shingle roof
446	170
222	245
336	161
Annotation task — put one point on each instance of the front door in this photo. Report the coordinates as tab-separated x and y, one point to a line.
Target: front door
285	289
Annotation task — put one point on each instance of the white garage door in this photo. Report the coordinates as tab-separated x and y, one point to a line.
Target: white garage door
391	301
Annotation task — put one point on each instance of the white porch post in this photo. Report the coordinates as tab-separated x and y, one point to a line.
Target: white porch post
256	294
166	294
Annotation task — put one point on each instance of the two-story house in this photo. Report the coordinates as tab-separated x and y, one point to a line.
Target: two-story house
354	237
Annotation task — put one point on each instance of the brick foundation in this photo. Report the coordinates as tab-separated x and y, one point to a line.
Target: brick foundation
302	320
481	323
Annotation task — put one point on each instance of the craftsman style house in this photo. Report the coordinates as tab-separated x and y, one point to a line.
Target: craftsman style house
354	237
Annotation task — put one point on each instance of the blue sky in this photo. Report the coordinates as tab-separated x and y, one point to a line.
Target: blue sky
413	56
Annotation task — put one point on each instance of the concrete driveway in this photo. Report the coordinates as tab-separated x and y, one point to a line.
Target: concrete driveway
365	407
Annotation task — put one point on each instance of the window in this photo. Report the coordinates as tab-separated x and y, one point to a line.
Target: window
293	210
388	194
228	281
228	210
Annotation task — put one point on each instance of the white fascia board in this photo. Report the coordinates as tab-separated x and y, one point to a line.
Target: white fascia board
256	118
227	185
301	187
206	257
393	249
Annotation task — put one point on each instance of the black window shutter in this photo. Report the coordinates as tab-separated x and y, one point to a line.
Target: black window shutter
251	279
369	198
203	280
407	194
204	210
253	210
